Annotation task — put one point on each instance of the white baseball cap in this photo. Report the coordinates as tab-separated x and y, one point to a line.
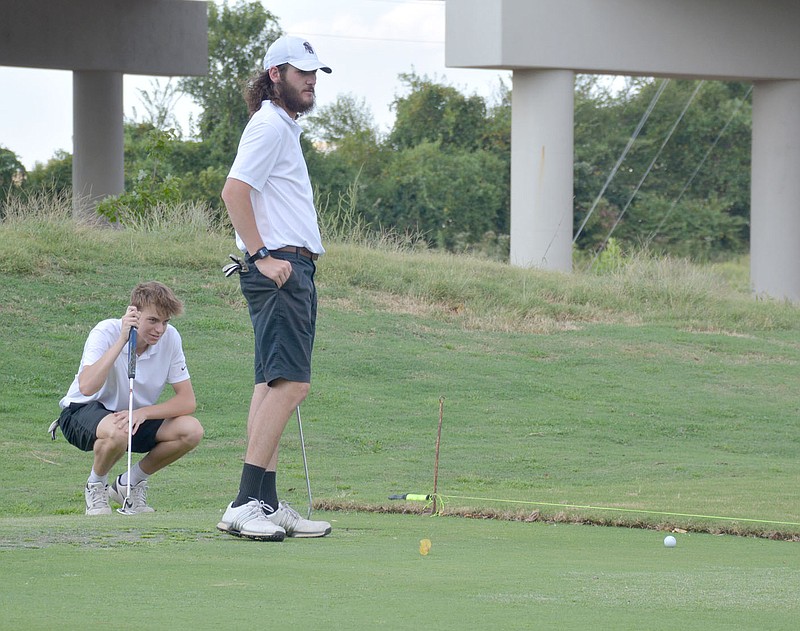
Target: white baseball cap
295	51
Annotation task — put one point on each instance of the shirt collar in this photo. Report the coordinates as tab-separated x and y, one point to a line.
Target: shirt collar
284	115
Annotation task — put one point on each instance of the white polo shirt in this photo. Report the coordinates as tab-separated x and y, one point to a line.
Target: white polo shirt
270	160
159	365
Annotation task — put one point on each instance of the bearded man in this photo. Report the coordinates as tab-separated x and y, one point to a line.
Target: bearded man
270	202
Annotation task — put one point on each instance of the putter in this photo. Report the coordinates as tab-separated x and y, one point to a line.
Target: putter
125	508
305	462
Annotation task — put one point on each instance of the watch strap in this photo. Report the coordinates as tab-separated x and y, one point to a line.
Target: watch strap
262	253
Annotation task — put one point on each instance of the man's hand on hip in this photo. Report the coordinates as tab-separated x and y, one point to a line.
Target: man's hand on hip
277	270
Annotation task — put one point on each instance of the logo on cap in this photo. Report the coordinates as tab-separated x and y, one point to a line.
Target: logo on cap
308	48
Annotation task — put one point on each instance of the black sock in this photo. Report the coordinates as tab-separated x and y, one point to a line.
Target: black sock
250	484
269	491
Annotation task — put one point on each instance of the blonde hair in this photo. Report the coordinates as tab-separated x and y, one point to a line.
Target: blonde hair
156	295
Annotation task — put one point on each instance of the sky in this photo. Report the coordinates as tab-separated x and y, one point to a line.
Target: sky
367	43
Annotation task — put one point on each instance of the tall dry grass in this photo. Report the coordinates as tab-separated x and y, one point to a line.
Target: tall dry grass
366	264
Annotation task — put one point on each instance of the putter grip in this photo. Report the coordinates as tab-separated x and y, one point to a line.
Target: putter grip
132	353
411	497
417	497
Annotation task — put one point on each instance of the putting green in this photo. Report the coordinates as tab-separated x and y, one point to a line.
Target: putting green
174	570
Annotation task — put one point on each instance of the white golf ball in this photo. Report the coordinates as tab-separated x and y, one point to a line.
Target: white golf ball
670	541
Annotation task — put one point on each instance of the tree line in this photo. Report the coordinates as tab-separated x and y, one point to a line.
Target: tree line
443	169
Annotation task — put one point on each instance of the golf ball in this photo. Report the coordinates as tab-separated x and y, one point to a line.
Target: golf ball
670	541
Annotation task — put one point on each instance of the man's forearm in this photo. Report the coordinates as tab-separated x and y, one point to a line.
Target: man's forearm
179	405
236	195
94	376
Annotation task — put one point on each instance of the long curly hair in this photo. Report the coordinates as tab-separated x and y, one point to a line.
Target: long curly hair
261	88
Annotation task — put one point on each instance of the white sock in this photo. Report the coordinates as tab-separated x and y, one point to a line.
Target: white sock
137	475
94	478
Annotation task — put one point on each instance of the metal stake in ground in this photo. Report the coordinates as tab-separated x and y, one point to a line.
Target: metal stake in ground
436	459
125	508
305	462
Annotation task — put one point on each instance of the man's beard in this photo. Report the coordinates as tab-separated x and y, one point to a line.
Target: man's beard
292	99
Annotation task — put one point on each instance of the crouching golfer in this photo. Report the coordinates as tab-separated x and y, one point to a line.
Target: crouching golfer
94	414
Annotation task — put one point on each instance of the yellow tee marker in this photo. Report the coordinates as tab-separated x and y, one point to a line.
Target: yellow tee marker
424	546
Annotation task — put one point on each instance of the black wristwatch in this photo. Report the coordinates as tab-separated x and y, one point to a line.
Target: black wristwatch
261	254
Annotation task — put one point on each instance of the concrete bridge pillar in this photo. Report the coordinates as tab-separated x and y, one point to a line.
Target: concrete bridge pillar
543	41
98	138
775	190
541	168
100	41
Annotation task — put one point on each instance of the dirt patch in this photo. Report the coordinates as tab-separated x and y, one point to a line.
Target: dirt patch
33	538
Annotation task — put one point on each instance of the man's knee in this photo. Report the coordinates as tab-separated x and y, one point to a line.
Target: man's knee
185	429
302	391
297	390
109	436
192	431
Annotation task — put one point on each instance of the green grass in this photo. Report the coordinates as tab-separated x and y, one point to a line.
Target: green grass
659	396
370	574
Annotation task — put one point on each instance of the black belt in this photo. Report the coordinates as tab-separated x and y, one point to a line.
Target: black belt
301	251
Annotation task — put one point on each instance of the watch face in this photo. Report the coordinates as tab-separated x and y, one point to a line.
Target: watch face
261	254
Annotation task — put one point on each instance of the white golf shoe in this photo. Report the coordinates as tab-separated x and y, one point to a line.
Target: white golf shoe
250	521
295	525
137	502
97	499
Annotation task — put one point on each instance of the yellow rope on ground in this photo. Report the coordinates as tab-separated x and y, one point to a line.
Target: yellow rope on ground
622	510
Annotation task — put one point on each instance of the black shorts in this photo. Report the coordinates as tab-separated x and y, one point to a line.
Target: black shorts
79	421
284	320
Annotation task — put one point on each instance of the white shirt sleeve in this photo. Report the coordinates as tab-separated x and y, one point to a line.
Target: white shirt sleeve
100	339
258	152
177	367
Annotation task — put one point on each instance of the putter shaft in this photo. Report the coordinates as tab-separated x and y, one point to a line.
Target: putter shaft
132	336
305	461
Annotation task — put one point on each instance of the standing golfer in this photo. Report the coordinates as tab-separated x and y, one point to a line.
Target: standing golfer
269	199
94	414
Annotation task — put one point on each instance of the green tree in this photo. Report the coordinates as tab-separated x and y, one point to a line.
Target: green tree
435	112
604	121
342	148
153	183
346	127
496	139
681	163
496	129
701	229
158	153
348	120
443	169
12	171
238	36
453	198
54	176
159	105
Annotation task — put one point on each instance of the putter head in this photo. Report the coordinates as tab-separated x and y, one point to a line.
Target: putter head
126	508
